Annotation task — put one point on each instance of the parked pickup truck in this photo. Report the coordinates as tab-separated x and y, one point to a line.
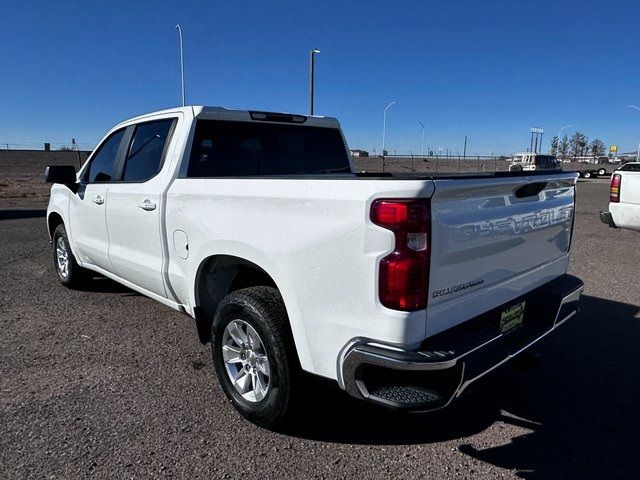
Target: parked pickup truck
404	289
624	198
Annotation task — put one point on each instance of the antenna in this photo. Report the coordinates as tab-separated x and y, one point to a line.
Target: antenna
179	28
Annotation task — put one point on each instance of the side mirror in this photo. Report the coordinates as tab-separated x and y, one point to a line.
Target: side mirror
64	174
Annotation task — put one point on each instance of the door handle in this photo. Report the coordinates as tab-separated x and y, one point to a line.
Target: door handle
98	200
147	205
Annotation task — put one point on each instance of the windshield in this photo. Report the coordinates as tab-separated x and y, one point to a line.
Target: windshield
227	148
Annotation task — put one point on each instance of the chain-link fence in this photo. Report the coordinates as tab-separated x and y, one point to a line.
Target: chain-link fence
46	146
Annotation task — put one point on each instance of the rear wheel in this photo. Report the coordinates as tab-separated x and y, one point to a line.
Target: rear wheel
602	171
71	274
587	175
254	355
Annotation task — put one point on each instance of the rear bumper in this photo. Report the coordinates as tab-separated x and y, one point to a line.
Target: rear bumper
606	217
448	363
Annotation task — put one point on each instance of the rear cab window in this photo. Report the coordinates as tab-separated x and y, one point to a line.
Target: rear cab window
233	148
630	167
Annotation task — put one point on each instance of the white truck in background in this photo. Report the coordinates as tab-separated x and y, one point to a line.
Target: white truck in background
403	289
530	162
624	198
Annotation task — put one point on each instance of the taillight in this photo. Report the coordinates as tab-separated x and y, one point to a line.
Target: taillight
404	273
614	193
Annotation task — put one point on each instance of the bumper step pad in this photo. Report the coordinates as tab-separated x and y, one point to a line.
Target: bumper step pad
447	363
407	396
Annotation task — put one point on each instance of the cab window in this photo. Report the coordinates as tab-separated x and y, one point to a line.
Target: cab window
103	163
144	158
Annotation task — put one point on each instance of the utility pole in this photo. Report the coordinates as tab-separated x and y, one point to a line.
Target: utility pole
312	62
464	152
179	28
73	142
422	150
384	129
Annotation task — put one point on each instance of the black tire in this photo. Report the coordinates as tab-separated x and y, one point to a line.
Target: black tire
263	309
74	276
602	171
587	175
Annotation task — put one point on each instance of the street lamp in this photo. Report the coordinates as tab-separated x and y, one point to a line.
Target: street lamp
558	143
422	149
312	56
384	125
179	28
638	152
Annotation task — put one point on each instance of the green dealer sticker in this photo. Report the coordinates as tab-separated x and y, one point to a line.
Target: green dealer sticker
512	317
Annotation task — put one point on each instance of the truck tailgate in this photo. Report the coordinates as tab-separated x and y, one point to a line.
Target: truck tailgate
494	239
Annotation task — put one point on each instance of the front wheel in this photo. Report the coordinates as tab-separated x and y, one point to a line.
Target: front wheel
587	175
254	356
71	274
602	171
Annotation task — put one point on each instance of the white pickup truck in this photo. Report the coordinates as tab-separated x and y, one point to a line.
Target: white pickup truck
624	198
404	289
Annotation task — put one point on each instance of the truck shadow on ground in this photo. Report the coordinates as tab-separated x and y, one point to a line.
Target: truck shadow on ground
18	214
573	415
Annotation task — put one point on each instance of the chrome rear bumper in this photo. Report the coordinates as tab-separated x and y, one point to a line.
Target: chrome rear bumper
448	363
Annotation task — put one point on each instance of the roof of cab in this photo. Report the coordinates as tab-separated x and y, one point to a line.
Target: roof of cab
221	113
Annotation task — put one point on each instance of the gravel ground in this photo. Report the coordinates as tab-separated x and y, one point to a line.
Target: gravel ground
107	383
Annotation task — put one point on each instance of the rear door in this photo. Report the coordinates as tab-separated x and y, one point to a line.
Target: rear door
494	239
134	209
87	217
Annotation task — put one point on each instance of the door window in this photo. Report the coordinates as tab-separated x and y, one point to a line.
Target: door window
144	158
103	164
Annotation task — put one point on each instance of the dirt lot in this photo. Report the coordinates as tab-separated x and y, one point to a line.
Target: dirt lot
108	383
22	173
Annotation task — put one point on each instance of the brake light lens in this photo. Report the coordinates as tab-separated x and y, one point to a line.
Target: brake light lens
616	183
404	273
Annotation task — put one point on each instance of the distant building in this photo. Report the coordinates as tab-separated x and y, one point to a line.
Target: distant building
359	153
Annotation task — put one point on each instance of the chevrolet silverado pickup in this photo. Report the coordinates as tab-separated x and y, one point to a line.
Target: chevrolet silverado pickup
403	289
624	198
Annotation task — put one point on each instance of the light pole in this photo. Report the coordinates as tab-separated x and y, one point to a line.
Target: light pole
384	126
558	143
537	134
179	28
312	62
422	148
638	152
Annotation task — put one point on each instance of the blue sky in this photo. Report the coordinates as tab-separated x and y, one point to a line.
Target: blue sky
487	69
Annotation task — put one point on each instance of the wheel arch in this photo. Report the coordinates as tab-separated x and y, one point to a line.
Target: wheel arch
53	220
216	277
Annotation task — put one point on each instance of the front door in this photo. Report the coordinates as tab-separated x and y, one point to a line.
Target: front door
87	207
